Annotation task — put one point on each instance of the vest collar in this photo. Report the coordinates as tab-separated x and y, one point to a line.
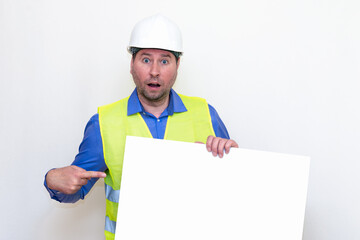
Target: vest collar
175	104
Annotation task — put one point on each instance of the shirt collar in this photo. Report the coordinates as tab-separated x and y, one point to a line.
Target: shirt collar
175	104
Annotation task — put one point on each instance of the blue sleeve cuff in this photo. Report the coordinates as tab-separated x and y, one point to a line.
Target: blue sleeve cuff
61	197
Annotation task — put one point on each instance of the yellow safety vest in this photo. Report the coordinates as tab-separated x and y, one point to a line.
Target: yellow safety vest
190	126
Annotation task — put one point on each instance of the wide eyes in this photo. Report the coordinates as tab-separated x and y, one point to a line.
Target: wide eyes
163	61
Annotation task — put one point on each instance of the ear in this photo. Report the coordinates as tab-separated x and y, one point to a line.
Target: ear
178	64
131	64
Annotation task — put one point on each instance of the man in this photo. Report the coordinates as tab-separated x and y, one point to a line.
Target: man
152	110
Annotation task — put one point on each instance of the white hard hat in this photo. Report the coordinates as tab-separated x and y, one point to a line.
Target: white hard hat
156	32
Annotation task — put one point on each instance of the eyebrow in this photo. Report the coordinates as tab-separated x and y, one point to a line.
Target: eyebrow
162	55
166	55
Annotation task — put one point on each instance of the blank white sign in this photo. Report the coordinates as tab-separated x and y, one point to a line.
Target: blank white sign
175	190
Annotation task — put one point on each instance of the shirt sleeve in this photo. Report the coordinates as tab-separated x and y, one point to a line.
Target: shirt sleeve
218	125
90	158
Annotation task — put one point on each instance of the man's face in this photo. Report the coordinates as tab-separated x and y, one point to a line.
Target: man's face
154	72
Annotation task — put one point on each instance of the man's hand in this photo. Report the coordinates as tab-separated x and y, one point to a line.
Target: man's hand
70	179
217	145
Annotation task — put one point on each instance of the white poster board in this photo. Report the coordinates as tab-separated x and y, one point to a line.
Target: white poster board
175	190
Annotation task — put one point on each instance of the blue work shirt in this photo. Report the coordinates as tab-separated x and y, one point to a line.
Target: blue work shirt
91	157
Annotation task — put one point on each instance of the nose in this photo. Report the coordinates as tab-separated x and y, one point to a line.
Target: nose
155	70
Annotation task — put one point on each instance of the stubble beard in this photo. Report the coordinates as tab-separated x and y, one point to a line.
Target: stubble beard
152	97
156	97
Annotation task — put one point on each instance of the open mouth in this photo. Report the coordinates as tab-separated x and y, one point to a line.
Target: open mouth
154	85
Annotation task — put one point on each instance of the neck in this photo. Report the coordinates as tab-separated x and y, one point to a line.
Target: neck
155	107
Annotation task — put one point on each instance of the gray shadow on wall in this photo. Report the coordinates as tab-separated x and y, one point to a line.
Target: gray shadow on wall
81	220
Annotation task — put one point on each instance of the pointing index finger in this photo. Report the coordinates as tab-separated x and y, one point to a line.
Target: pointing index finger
93	174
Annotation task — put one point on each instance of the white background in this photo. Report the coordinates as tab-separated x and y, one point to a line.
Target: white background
283	75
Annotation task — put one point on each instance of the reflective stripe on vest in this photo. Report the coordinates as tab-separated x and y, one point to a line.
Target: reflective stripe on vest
111	194
110	226
194	125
